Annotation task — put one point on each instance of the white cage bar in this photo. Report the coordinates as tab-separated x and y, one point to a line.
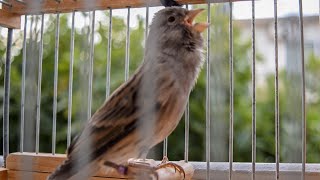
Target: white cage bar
39	85
208	109
231	123
55	88
253	81
277	119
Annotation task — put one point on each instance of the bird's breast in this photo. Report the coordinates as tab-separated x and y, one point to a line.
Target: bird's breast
169	116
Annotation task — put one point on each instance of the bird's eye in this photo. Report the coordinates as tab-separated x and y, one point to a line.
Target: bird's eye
171	19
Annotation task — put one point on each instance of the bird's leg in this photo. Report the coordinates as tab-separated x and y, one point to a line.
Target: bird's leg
165	163
143	168
135	168
143	153
121	169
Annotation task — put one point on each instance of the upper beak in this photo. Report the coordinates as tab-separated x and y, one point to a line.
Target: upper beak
192	14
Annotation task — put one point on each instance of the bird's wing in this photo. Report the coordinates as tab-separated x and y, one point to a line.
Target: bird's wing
117	117
115	120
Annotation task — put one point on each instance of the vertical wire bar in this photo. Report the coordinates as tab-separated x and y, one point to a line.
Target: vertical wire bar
165	147
165	142
277	121
6	101
186	127
147	24
70	80
231	88
39	85
109	55
186	132
55	84
253	94
126	75
303	98
208	139
91	65
23	82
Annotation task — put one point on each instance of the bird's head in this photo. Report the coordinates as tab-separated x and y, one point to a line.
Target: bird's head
175	25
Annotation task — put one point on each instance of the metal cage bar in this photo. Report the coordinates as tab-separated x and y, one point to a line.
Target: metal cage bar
254	137
91	59
208	104
231	88
108	69
55	84
65	6
23	83
303	97
39	85
6	100
147	24
186	132
186	126
277	120
70	84
165	147
127	62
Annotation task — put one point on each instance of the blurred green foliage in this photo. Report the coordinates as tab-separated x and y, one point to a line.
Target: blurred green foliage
220	100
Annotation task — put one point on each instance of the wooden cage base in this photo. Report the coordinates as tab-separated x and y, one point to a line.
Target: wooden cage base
39	166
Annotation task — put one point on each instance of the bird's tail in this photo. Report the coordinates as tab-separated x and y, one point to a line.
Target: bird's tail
72	169
64	171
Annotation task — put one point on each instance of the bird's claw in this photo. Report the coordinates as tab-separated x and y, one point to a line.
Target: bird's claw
138	168
165	163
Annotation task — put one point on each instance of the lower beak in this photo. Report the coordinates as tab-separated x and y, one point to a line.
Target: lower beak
192	14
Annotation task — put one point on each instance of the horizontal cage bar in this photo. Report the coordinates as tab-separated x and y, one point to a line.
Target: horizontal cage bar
49	6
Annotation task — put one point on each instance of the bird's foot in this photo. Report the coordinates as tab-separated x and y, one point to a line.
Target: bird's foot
121	169
166	163
136	168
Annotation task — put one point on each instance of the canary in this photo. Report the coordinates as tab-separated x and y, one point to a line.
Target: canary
144	110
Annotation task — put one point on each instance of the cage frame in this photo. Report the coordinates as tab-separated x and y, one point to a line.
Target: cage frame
10	17
13	9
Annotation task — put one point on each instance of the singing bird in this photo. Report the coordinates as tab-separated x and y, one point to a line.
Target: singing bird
144	110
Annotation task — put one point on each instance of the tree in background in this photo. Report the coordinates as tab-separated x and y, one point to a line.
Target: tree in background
219	99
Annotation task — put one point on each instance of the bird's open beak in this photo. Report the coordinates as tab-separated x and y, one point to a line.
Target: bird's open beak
192	14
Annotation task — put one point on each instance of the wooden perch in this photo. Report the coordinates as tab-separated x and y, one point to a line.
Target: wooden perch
3	173
39	166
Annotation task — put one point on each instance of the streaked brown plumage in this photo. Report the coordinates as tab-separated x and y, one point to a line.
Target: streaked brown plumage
147	108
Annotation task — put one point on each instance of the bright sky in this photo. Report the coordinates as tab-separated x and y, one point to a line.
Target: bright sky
264	8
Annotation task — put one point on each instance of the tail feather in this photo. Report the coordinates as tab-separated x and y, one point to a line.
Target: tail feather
64	171
71	169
